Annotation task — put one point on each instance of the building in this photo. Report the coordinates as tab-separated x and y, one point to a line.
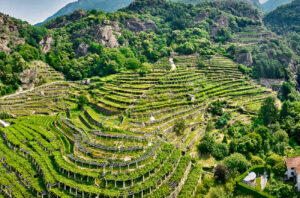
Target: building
293	169
250	179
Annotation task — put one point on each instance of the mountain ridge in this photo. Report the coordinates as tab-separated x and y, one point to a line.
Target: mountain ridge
111	6
271	5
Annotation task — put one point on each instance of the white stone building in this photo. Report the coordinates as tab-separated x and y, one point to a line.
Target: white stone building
293	169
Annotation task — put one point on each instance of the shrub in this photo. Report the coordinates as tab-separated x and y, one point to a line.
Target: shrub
4	115
179	126
236	160
82	100
216	108
201	64
133	63
219	151
221	172
223	120
244	69
207	144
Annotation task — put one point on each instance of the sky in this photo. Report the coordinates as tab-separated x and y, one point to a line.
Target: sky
35	11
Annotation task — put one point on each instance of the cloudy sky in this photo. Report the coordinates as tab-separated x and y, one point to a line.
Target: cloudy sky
34	11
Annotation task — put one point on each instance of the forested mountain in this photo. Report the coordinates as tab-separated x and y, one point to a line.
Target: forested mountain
271	5
110	6
284	19
102	5
254	3
85	44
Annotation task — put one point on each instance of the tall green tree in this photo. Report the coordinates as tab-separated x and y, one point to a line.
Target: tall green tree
268	112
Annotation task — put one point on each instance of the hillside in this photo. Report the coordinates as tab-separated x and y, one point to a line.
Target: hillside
254	3
159	99
271	5
284	19
20	45
102	5
111	6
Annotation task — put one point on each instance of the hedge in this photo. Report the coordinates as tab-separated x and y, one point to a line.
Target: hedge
249	190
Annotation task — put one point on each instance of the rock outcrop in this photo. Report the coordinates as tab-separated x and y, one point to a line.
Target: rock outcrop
107	34
9	33
82	49
245	58
46	43
136	25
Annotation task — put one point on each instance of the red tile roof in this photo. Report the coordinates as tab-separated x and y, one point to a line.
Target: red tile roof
293	162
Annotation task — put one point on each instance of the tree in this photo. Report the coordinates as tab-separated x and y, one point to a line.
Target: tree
217	107
255	160
278	164
219	151
286	89
207	144
145	69
223	120
201	65
268	112
279	189
264	132
179	126
82	100
133	63
280	136
221	173
236	161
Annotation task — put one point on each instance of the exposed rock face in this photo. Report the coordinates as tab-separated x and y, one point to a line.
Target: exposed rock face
222	21
82	49
9	33
274	84
79	14
245	59
106	35
136	25
62	21
29	77
46	43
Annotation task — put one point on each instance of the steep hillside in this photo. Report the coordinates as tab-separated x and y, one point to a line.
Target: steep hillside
284	19
102	5
271	5
254	3
20	44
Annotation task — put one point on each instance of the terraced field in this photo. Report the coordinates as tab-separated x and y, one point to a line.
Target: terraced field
252	35
122	143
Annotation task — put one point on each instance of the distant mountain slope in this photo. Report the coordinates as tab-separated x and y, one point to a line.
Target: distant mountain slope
103	5
113	5
271	5
255	3
285	18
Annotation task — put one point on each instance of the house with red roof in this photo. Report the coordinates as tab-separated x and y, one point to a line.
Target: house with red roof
293	169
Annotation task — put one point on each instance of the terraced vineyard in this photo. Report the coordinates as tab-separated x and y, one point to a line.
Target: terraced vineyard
122	143
252	35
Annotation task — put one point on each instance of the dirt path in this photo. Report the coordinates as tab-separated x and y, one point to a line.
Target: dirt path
173	66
